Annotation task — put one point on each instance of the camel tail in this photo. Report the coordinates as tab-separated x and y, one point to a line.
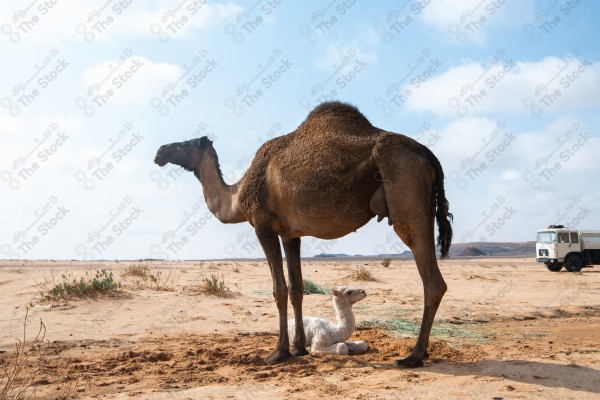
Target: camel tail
442	214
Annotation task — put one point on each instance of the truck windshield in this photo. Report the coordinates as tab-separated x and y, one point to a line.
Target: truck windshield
546	237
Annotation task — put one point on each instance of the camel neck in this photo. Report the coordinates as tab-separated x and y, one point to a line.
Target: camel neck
345	320
221	199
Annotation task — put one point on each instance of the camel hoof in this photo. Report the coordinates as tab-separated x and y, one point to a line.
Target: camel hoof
300	352
278	357
410	362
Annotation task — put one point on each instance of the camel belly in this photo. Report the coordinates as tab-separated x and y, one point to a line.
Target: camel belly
323	228
324	217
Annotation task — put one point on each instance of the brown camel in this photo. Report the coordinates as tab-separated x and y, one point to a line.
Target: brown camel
326	179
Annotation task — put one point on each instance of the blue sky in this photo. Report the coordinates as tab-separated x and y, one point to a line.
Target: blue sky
506	94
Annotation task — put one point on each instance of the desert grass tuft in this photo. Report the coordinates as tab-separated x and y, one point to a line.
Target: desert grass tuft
212	286
362	274
215	286
91	284
404	327
311	287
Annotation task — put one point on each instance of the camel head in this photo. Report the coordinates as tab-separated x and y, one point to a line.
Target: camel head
186	154
348	295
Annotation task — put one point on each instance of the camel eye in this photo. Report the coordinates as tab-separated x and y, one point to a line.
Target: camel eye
349	292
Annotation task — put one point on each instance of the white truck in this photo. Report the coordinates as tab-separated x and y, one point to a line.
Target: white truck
558	246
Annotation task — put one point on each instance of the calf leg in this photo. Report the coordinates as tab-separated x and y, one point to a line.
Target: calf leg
321	347
356	346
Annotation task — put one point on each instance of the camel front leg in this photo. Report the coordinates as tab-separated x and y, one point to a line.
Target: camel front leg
291	248
270	244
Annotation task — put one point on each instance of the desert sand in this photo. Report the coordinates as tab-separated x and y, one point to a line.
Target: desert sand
506	329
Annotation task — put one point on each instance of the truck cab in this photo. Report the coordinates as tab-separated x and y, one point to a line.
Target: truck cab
558	247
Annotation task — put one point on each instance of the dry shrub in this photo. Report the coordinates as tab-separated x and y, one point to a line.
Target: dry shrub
140	276
476	276
22	370
15	381
137	270
362	274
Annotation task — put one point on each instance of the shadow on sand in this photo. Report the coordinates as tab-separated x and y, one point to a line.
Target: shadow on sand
552	375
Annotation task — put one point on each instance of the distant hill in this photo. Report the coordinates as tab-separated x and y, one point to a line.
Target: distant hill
472	252
404	254
332	255
472	249
494	249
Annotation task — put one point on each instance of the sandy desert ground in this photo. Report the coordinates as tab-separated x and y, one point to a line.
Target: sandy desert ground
506	329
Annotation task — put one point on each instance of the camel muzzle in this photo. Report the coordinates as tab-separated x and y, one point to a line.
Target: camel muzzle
160	158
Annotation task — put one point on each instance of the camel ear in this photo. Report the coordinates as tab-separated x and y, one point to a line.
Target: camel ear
336	293
203	142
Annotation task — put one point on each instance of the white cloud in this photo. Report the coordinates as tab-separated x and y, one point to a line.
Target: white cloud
470	20
511	175
135	81
441	13
513	172
79	21
341	63
566	141
462	142
479	149
30	135
12	125
336	55
157	20
551	85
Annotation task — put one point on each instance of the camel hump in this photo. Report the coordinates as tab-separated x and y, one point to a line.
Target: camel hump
338	116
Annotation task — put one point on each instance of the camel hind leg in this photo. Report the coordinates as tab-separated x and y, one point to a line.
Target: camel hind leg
421	243
408	181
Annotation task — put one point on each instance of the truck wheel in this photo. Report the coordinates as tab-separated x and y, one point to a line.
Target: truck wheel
554	267
573	263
